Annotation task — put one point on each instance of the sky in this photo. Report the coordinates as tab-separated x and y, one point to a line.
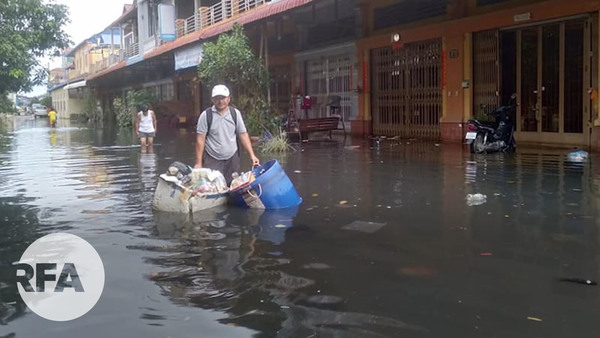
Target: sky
87	18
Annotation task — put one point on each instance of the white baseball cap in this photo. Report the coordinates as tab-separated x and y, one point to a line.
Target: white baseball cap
220	90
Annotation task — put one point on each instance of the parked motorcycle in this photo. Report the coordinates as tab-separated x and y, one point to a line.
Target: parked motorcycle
495	136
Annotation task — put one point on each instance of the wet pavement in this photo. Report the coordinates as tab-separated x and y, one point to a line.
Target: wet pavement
384	244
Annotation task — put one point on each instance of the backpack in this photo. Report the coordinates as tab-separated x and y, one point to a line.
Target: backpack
209	118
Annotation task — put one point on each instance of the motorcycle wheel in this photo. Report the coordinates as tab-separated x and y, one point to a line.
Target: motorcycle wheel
477	146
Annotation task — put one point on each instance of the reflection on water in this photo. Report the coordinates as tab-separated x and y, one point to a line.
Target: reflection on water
147	169
384	243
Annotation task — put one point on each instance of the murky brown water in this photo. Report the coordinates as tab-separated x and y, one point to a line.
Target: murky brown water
383	245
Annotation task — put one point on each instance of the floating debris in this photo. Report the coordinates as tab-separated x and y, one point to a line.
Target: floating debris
579	281
476	199
324	299
290	282
316	266
534	319
362	226
578	156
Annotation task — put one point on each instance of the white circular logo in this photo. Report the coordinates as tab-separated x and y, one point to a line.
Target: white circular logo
60	277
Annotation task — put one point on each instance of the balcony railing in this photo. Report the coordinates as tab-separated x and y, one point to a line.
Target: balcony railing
105	63
208	16
205	17
131	50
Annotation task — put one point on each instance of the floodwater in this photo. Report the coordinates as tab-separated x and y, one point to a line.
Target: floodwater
384	244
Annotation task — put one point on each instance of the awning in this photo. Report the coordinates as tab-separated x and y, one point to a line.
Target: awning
75	85
188	56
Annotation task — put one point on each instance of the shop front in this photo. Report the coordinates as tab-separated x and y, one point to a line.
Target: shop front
325	74
406	89
550	66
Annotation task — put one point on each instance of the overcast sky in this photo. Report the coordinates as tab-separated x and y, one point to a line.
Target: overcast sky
87	18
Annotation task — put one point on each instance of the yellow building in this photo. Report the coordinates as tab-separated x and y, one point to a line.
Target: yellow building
68	99
88	56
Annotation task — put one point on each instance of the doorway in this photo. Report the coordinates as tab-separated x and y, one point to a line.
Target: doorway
406	90
553	75
548	67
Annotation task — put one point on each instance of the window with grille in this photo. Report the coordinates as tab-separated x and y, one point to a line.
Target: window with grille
408	11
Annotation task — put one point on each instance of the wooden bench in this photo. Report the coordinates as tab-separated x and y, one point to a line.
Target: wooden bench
307	126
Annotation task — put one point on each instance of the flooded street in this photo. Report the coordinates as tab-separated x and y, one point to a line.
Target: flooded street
384	244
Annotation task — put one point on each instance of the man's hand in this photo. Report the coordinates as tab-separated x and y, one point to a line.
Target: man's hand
255	161
198	166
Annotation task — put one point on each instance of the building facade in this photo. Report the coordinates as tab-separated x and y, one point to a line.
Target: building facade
404	68
459	59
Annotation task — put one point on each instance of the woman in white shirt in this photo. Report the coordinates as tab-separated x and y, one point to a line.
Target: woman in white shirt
145	126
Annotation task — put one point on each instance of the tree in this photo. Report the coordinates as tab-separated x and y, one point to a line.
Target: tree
231	61
127	110
6	105
46	101
29	29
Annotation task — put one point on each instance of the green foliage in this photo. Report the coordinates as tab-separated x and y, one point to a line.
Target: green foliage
277	144
6	105
126	110
29	29
47	101
90	109
124	118
232	62
258	117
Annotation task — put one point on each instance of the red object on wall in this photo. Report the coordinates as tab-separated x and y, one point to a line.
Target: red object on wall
307	102
397	45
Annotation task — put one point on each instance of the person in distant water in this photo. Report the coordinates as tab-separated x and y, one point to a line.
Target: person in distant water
145	126
52	117
217	147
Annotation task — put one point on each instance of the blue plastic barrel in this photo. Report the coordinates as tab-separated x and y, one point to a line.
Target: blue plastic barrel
272	189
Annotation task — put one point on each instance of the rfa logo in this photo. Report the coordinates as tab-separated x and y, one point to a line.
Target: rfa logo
60	277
